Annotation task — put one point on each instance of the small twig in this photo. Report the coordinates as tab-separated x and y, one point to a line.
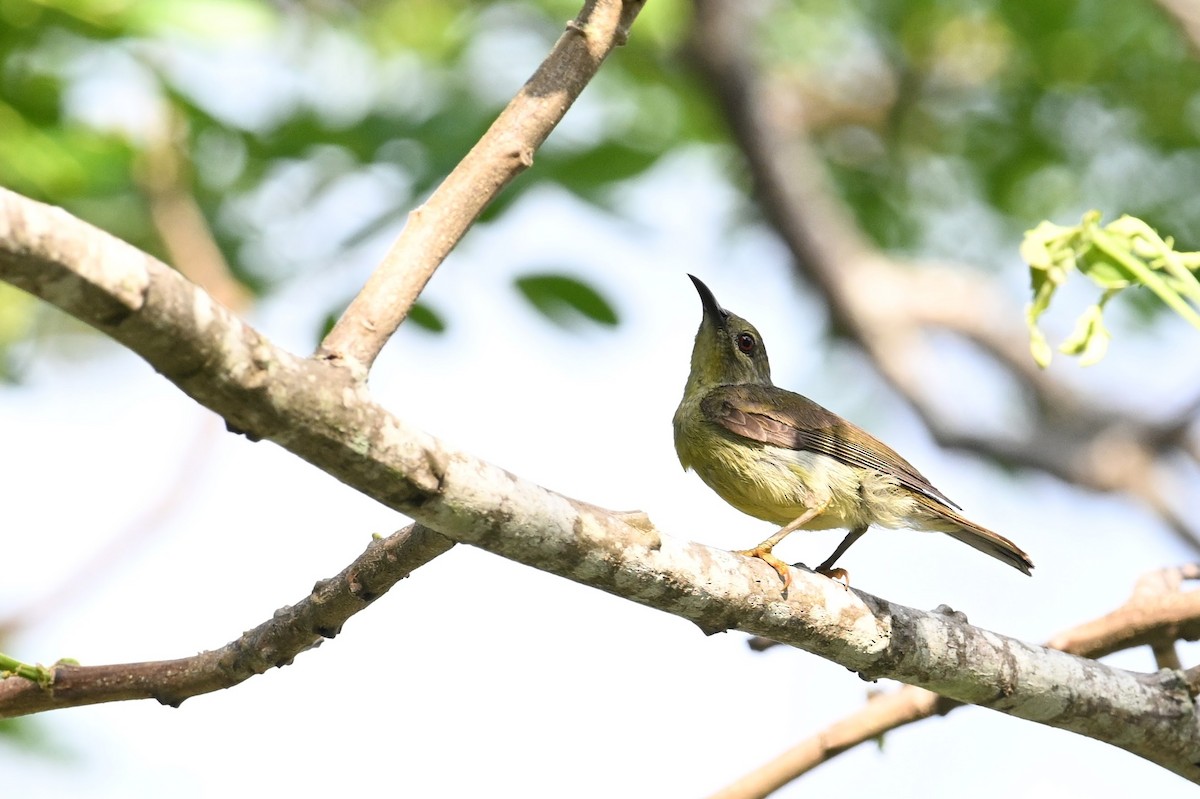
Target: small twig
1157	614
1166	656
505	151
272	644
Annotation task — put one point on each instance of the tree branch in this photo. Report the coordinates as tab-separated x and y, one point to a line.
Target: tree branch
505	151
1157	615
324	415
272	644
882	713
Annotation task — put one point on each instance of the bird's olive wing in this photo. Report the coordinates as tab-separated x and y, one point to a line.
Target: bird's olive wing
781	418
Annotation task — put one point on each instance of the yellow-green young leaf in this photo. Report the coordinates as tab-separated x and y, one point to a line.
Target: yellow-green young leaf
1179	273
1038	346
1047	247
1124	253
1043	291
1104	271
1090	338
1034	249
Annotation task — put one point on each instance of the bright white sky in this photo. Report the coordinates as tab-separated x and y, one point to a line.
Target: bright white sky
478	676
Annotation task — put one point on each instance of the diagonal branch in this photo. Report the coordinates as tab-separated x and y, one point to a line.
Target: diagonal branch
272	644
505	151
322	414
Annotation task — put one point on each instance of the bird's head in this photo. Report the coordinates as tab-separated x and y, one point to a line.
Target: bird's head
728	349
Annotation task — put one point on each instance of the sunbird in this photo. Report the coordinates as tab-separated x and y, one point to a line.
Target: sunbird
783	458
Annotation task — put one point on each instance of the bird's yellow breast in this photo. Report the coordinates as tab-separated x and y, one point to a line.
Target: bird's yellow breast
778	485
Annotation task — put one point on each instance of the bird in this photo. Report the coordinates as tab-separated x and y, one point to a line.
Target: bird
780	457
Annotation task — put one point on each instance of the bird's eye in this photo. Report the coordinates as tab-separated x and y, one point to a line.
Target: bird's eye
746	342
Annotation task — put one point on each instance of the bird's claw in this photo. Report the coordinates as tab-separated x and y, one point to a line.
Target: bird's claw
764	554
837	575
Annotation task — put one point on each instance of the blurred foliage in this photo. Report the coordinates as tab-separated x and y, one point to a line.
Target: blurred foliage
31	736
564	300
1124	253
953	125
426	318
16	322
309	128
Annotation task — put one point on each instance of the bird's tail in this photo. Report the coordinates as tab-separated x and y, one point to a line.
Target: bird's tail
945	520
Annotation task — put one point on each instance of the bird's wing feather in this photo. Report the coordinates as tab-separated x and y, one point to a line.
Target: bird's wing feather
781	418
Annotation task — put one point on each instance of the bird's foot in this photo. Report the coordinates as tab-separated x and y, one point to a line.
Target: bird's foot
837	575
764	553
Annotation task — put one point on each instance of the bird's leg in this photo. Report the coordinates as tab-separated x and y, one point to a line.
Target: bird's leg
827	569
763	550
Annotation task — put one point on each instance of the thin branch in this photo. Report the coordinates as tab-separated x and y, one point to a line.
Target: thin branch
505	151
272	644
1157	614
323	414
882	713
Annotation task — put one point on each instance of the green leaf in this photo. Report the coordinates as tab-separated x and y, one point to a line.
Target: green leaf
1039	348
426	318
563	299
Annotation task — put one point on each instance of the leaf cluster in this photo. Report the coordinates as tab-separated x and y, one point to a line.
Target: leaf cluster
1125	253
